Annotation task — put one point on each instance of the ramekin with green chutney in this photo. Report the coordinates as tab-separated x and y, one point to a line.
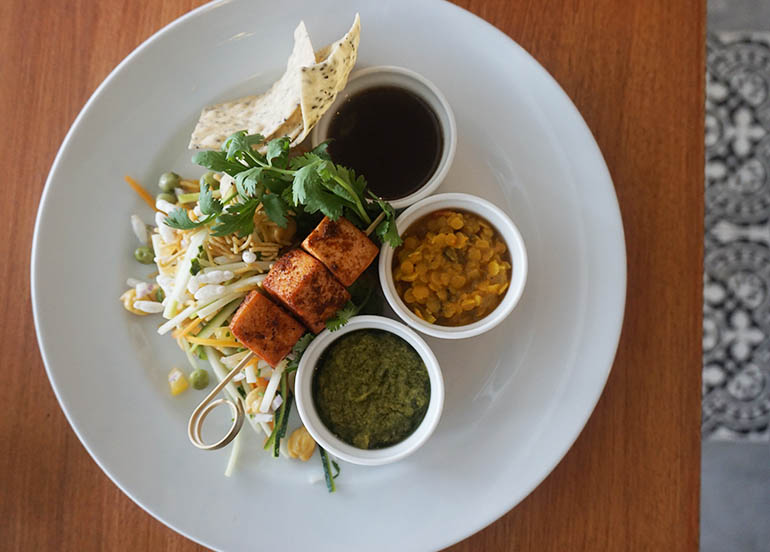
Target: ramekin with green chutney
370	393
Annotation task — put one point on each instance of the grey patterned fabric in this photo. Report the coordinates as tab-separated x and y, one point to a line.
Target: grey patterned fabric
736	288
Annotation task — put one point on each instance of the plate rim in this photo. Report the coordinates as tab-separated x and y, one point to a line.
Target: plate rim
489	28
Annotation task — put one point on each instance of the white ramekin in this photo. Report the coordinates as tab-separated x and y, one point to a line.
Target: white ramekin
502	224
303	389
388	75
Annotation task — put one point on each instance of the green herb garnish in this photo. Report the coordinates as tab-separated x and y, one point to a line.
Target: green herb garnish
298	350
284	186
360	293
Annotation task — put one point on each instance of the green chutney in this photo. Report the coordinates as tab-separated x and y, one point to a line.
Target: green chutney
371	389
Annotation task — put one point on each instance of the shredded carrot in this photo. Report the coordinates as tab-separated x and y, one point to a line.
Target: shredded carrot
189	328
262	382
212	342
144	194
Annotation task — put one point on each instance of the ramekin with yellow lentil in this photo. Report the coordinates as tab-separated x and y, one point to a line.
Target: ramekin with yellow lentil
453	268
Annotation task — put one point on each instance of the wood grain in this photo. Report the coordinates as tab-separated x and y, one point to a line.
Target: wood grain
635	71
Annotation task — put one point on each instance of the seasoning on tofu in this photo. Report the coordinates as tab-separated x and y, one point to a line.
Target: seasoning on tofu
342	248
265	328
304	285
453	268
371	389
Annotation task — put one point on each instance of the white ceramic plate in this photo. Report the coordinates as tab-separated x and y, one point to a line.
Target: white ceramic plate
516	397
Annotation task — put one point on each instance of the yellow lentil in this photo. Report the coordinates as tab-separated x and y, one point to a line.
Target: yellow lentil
452	269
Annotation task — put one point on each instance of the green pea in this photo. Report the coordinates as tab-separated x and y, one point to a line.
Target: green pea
171	198
168	181
144	254
209	179
199	379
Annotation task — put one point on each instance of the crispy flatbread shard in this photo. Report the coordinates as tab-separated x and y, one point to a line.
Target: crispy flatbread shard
265	114
323	81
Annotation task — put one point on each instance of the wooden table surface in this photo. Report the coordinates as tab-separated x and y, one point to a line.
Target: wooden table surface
636	72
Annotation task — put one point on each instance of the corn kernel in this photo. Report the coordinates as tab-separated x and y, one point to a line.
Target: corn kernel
177	381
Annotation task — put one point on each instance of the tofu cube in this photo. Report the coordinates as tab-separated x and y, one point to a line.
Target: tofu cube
301	283
343	248
265	328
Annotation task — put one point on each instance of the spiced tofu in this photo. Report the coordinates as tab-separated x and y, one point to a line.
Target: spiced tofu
304	285
265	328
343	248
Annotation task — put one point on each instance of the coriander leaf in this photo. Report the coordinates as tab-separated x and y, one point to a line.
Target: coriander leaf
303	160
217	161
360	291
327	171
195	266
247	182
336	468
321	150
298	350
356	183
342	182
179	219
239	145
276	209
303	180
342	317
386	207
237	218
308	191
208	205
278	152
275	183
302	343
388	232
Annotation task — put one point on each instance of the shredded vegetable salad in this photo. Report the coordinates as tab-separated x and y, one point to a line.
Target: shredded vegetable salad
198	283
213	240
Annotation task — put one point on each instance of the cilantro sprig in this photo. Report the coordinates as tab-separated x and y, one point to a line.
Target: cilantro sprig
285	186
362	295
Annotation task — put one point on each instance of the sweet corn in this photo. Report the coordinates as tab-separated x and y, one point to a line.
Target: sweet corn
177	381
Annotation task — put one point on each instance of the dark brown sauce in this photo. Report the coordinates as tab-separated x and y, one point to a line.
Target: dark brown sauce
390	136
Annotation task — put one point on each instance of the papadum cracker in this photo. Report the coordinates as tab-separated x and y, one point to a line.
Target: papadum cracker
263	114
294	104
323	81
